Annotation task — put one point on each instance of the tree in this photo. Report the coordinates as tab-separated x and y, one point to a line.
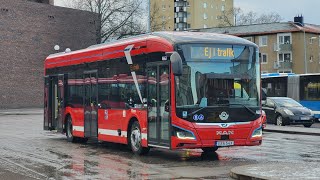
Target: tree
117	18
156	21
236	17
230	17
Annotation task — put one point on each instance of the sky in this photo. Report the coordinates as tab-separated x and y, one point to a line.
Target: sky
286	8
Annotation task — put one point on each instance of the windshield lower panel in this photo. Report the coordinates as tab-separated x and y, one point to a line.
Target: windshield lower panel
220	83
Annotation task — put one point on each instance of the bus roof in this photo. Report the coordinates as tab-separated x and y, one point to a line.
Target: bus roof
271	75
173	37
177	37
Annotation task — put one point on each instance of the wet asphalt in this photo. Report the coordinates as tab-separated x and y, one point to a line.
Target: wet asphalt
28	152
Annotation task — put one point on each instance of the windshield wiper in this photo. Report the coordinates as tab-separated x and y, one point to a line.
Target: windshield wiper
192	113
219	105
250	110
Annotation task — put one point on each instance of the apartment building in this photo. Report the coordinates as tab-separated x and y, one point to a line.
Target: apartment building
180	15
285	47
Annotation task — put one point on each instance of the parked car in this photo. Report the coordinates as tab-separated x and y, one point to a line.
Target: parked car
284	111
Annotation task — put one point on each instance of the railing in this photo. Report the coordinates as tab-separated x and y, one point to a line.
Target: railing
282	47
282	65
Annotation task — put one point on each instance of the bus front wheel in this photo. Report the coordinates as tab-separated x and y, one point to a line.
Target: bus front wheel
136	140
69	133
209	149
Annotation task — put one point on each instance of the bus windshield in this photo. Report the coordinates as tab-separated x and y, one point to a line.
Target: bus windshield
218	76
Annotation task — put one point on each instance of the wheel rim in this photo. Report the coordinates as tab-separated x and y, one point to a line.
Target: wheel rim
69	132
279	121
136	139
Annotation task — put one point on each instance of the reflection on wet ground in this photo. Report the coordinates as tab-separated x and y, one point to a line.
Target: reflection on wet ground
29	152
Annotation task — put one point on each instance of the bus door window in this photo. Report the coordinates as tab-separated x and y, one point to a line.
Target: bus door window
164	102
152	102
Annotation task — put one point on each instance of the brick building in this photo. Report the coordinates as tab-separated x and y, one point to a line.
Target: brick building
28	33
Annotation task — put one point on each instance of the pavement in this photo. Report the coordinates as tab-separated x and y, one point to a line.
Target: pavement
274	170
28	111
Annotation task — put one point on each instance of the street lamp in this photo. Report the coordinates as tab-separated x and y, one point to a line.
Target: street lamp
305	47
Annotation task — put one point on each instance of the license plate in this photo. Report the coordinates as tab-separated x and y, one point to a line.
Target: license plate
224	143
304	118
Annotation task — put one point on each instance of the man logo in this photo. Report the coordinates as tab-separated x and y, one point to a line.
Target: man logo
224	125
224	116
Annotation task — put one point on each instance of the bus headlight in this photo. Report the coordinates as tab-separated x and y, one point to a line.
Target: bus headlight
183	133
257	132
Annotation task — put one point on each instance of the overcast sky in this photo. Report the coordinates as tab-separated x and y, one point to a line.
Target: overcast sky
310	9
286	8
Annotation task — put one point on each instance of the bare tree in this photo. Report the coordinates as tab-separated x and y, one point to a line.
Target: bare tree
236	17
230	17
156	21
117	18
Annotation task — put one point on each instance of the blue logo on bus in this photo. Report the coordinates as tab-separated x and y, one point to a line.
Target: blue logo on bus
199	117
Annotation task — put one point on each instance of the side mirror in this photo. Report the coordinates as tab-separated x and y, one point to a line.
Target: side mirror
176	63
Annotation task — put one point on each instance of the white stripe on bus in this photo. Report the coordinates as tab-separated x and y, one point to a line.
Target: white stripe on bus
78	128
110	132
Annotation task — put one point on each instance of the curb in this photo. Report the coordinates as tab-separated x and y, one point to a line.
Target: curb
292	132
236	173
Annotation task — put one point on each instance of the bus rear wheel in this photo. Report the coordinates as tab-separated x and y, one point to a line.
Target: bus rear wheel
135	140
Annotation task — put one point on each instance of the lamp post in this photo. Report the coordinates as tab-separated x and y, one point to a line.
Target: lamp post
149	14
313	38
305	47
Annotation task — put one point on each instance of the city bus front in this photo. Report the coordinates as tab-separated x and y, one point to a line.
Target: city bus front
217	97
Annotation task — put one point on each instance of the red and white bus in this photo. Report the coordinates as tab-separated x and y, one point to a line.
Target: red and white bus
167	89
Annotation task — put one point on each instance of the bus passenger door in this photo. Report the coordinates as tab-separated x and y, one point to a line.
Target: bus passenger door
90	104
47	105
159	123
60	102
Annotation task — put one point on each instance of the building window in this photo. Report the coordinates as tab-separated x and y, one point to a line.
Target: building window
204	5
248	38
264	58
205	16
311	58
222	8
311	39
263	41
284	38
188	26
205	26
285	57
188	15
163	7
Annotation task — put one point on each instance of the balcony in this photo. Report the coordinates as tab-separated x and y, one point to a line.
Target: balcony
181	9
282	65
180	20
282	47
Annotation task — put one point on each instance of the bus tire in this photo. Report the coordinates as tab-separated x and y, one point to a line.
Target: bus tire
307	125
69	129
135	140
209	149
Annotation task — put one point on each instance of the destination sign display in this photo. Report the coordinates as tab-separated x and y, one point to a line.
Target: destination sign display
212	53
